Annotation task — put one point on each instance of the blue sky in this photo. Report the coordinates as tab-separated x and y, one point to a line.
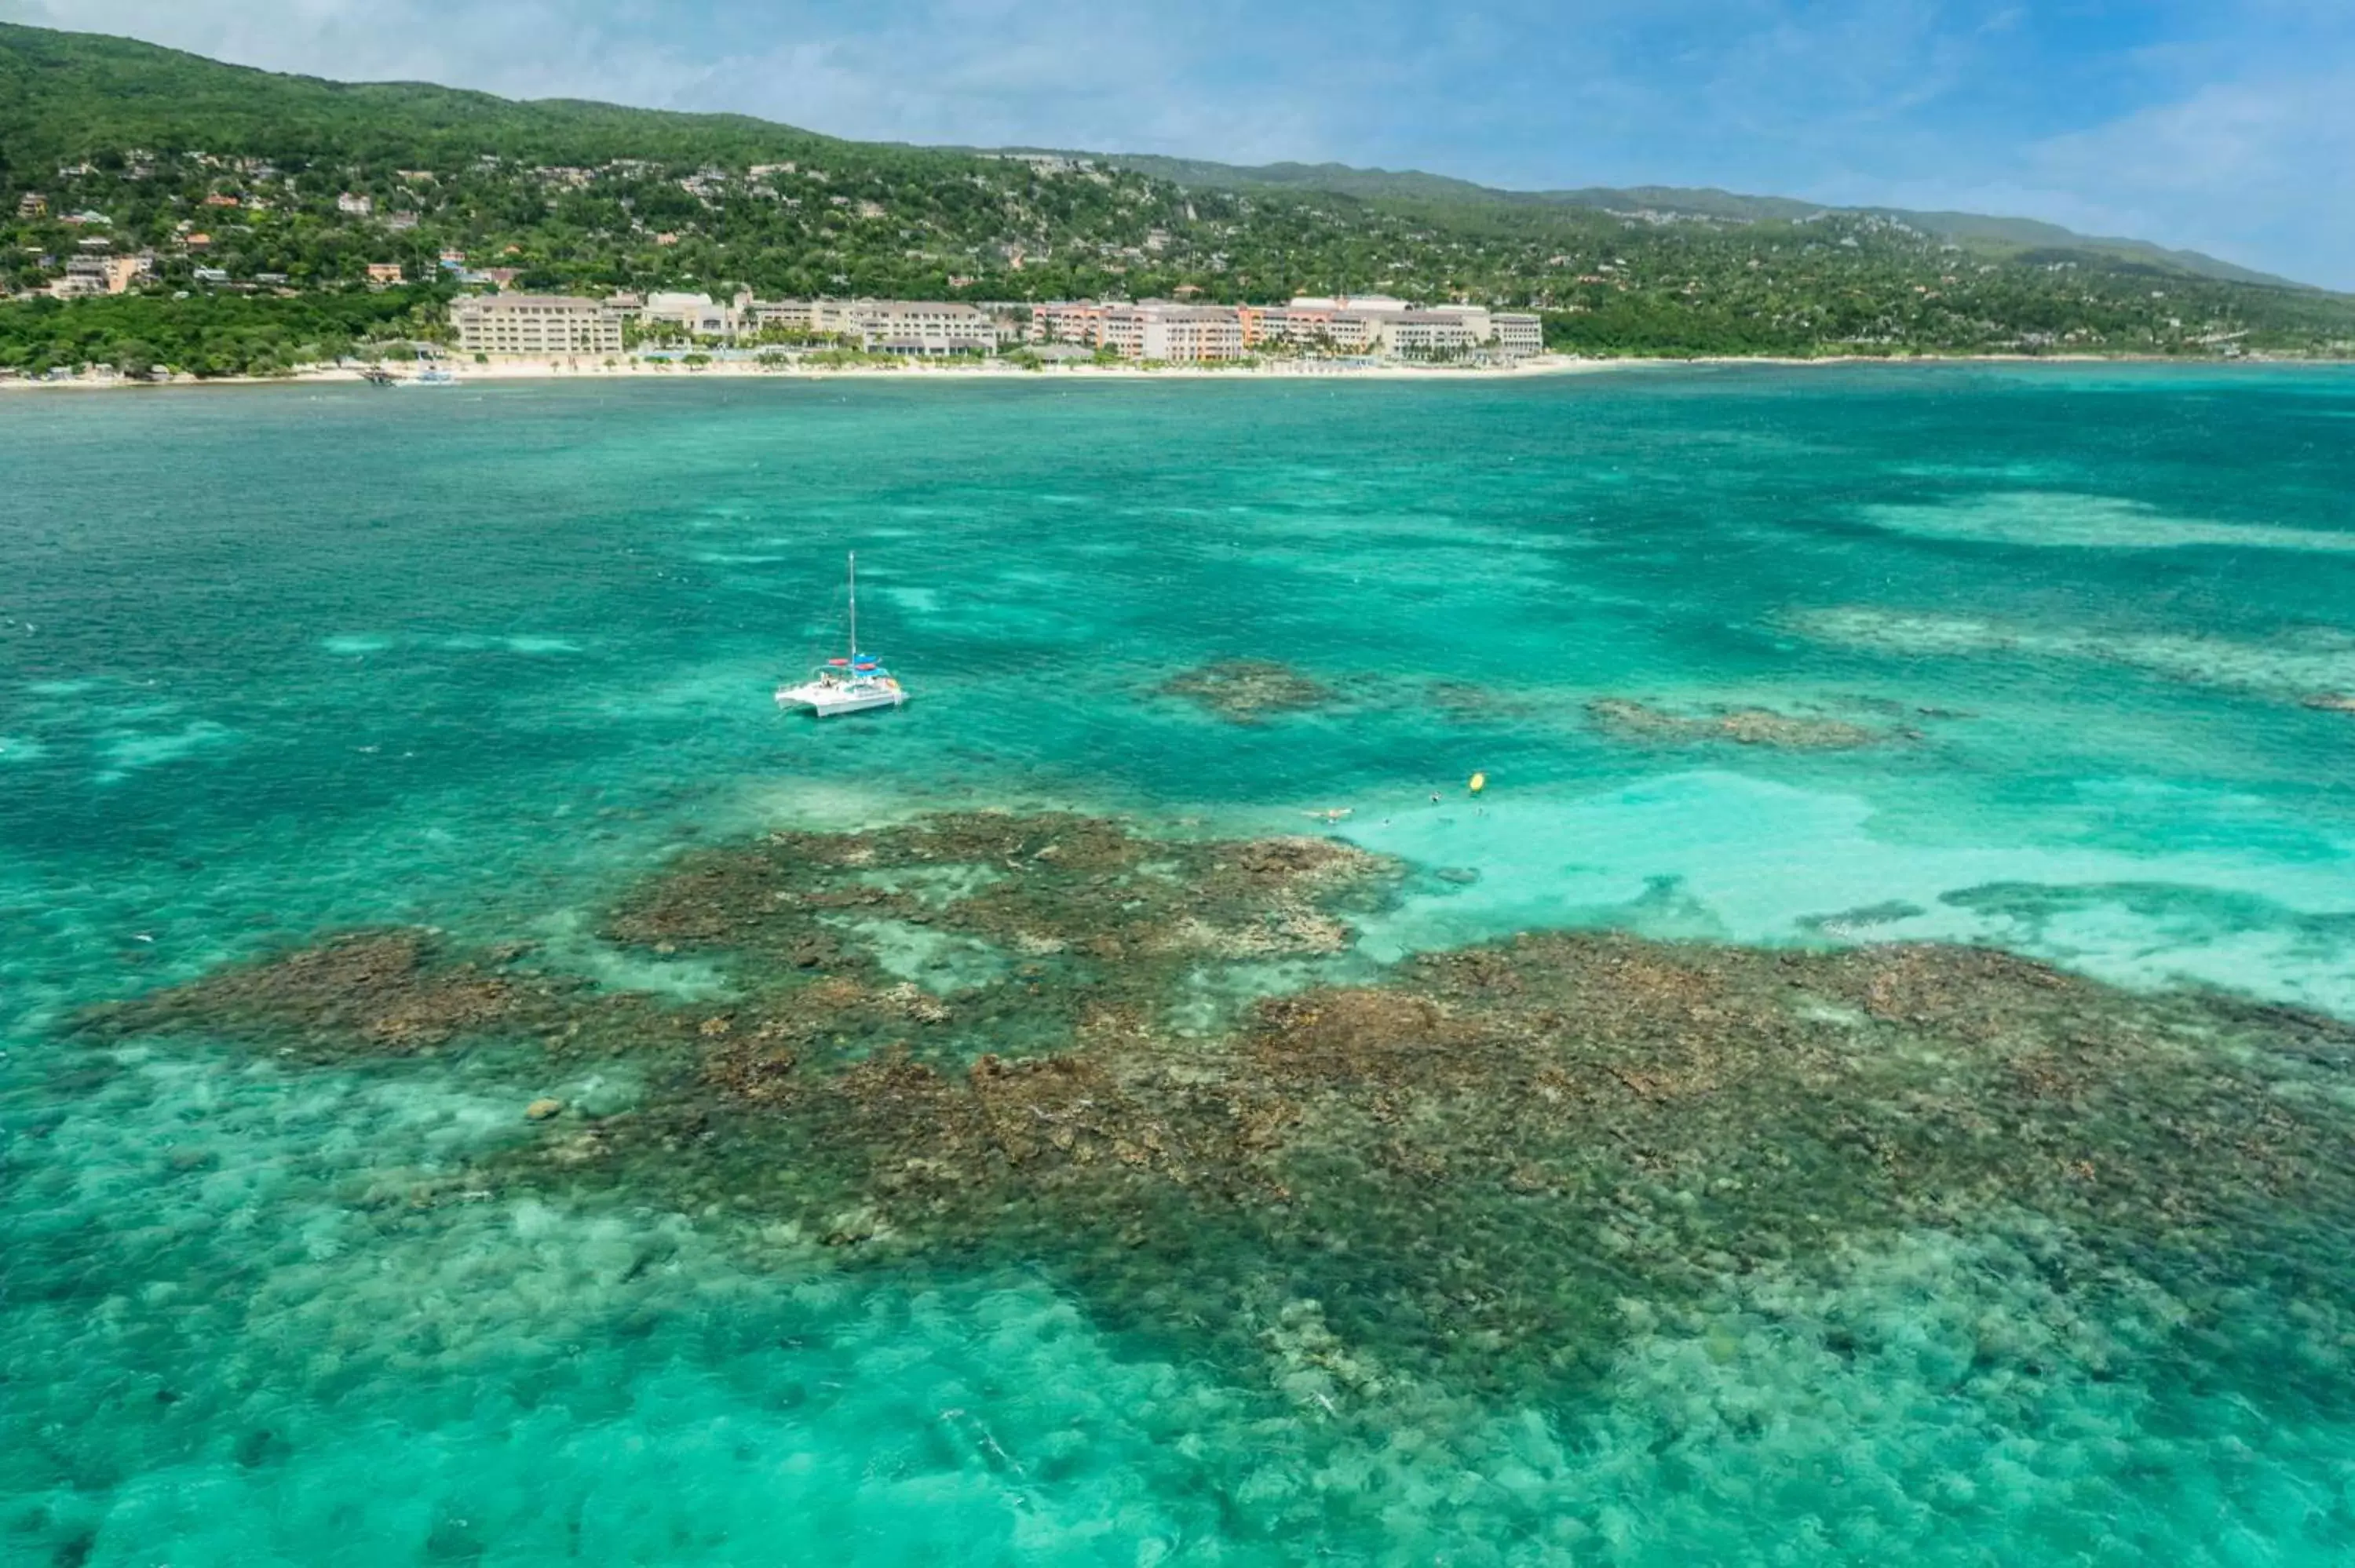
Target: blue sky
2227	125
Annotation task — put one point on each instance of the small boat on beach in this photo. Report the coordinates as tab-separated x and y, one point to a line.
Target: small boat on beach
846	685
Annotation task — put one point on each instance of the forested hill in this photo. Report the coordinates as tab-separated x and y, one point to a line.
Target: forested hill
1675	201
245	182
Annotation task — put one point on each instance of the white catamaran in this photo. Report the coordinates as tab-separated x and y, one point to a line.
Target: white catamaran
846	685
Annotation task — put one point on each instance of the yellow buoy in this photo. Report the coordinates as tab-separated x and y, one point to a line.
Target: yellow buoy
1479	782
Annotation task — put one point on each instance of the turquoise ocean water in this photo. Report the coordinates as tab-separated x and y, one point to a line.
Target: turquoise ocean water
280	661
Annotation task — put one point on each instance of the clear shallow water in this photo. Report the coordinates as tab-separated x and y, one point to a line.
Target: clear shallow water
286	660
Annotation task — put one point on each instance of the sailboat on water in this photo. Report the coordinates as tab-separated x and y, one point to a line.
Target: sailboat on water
430	374
846	685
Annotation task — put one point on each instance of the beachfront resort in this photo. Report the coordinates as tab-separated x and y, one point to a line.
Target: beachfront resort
1364	329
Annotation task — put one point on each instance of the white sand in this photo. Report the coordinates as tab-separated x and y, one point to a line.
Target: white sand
584	368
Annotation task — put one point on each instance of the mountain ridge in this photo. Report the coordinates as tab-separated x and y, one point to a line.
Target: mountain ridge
1709	201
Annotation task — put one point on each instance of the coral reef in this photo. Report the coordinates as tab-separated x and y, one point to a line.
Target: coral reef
2293	665
385	991
1480	1173
1242	691
1744	727
1467	701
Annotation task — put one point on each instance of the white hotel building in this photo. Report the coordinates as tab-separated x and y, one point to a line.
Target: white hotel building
918	327
924	327
538	326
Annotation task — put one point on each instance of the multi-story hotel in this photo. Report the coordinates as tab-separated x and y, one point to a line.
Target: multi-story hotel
1178	335
883	327
1155	330
538	325
1423	334
923	327
1061	321
700	315
1518	334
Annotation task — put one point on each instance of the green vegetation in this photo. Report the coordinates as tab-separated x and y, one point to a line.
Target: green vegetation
1670	202
214	334
234	180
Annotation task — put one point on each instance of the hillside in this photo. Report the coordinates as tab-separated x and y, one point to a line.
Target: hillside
260	191
1380	185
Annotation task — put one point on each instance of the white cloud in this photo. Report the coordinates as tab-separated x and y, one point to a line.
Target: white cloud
2259	170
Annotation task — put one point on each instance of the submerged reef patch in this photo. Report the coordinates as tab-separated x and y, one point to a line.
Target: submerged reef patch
1483	1175
392	991
1244	690
2061	519
2308	664
1631	720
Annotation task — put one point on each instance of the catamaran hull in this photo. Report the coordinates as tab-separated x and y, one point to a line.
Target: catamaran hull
825	705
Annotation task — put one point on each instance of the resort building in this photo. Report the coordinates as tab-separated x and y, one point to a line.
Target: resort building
836	318
784	315
923	327
1077	321
1349	332
881	326
820	318
536	325
1259	324
1520	336
1476	317
1367	323
1311	323
1149	329
1175	334
698	315
1424	334
1158	330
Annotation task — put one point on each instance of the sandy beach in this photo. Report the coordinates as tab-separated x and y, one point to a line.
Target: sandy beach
527	369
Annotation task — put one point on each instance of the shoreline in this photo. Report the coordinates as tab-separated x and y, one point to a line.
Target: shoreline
535	370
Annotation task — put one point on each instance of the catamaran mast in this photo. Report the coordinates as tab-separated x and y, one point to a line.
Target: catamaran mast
854	610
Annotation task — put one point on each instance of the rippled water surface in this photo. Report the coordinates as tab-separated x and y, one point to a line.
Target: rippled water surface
2055	660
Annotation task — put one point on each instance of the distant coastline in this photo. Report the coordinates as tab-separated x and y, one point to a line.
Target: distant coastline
530	370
